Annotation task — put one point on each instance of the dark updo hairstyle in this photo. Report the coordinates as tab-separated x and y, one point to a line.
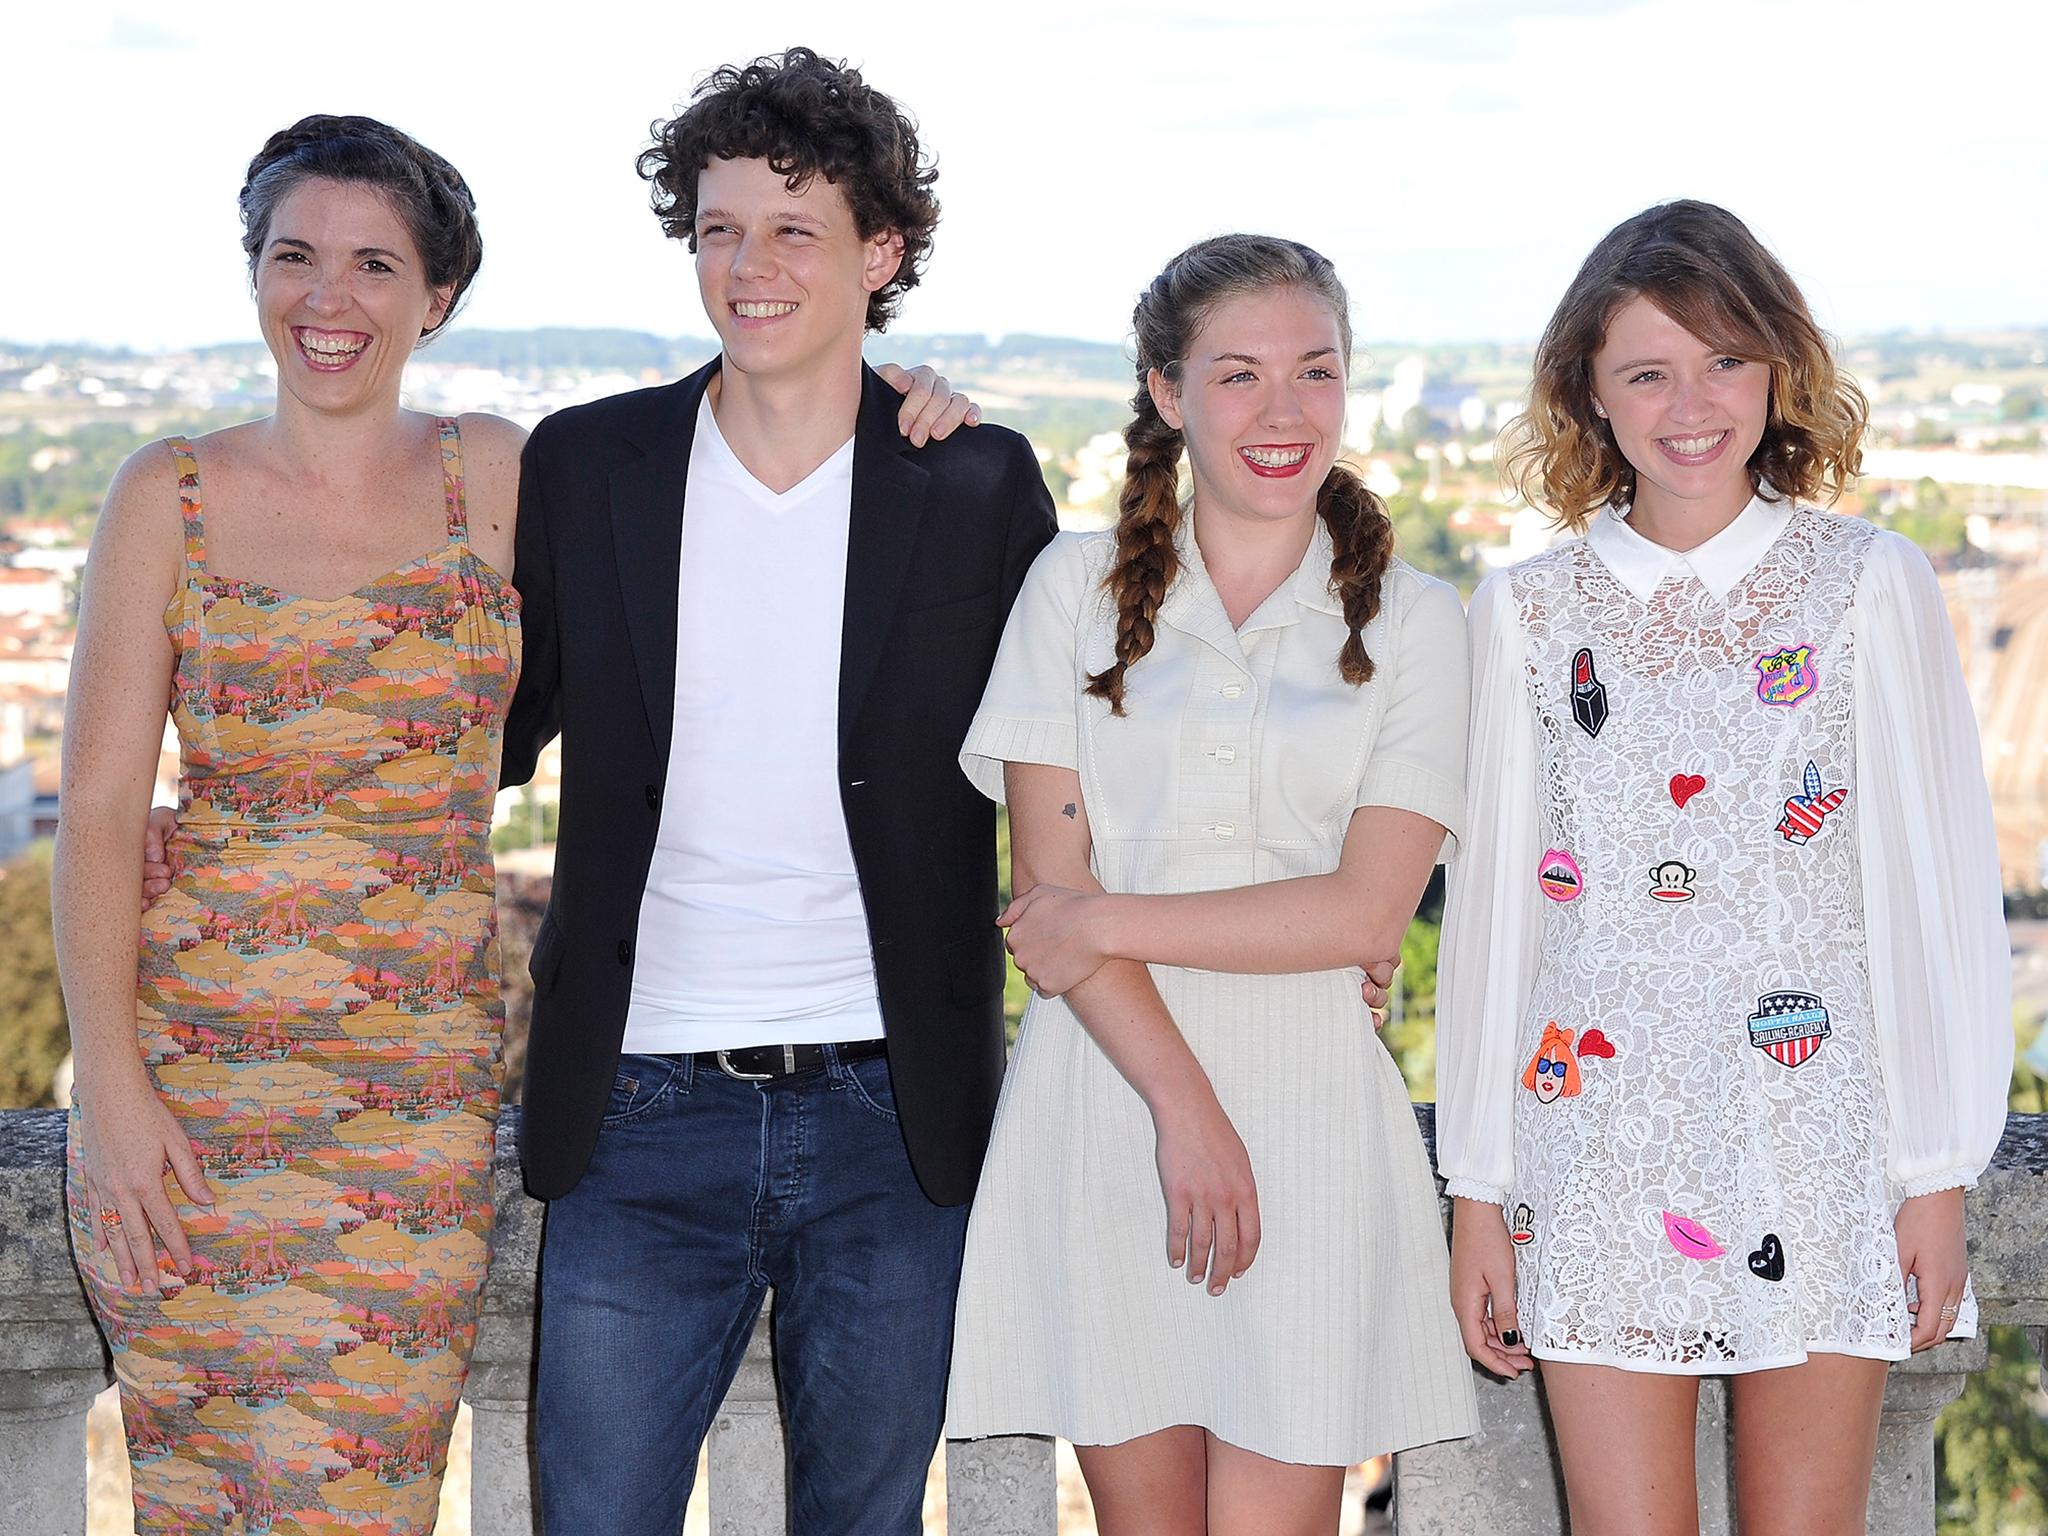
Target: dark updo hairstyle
1195	283
1702	267
806	117
425	191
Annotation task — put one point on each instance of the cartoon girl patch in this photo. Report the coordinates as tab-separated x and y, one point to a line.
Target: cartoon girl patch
1554	1073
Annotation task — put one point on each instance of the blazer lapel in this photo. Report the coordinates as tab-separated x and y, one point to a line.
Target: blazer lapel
647	540
888	505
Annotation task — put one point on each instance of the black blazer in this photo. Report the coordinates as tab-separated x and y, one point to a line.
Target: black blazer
940	539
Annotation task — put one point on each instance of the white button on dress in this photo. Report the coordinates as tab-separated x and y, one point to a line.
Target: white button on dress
1241	758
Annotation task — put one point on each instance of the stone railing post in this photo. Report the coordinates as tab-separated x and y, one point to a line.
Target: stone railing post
1902	1486
502	1496
1005	1486
748	1462
52	1363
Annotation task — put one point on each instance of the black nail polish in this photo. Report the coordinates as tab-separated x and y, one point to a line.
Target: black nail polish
1511	1338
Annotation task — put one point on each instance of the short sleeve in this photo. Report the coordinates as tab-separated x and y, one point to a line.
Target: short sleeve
1417	761
1030	709
1940	962
1492	936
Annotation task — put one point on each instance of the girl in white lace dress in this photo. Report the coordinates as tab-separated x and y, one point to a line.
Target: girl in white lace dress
1724	1028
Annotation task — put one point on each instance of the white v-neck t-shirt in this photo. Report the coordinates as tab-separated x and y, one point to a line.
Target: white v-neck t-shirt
752	930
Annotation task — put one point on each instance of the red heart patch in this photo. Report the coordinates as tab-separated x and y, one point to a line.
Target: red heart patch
1685	785
1593	1043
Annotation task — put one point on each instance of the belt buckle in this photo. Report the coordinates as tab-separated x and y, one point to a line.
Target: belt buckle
725	1065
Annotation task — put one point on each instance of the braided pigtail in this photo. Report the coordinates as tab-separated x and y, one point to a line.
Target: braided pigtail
1173	309
1148	516
1362	545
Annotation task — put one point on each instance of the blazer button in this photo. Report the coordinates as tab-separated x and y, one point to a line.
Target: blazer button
625	952
654	797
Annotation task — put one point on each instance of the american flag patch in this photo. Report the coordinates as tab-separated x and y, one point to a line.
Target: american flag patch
1789	1026
1805	811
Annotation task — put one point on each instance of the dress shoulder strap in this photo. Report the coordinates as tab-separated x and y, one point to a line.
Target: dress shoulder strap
189	505
451	479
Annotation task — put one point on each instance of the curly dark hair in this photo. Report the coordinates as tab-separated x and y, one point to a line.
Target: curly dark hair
807	117
1202	278
424	190
1699	264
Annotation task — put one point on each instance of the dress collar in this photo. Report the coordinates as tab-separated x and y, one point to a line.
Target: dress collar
1193	606
1719	563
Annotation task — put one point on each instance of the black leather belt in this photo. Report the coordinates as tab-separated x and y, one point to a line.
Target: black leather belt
766	1063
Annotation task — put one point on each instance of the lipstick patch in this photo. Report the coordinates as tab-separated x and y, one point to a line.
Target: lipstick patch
1589	694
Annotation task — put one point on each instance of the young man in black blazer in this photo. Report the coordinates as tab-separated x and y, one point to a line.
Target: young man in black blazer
767	1029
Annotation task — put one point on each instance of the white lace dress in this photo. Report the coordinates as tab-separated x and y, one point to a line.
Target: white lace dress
1724	973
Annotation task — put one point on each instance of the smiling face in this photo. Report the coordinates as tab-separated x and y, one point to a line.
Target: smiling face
342	296
1685	415
1260	401
785	276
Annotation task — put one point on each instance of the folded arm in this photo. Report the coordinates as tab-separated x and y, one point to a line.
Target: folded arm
1205	1175
1353	916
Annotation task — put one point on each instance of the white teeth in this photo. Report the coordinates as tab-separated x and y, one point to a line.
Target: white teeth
763	311
1275	458
1692	447
330	346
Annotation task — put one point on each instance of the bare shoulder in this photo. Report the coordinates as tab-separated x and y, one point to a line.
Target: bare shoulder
490	470
141	506
138	540
487	438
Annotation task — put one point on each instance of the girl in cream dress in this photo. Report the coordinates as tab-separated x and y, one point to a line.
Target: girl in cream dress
1231	741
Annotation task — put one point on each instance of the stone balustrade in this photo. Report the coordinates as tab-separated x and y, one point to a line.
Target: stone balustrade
1503	1481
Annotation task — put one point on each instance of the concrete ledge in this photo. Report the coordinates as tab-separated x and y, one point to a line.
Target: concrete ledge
1503	1481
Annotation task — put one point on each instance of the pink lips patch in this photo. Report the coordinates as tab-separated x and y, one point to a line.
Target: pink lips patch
1690	1238
1593	1043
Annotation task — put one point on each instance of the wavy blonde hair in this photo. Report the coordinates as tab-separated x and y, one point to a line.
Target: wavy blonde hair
1702	267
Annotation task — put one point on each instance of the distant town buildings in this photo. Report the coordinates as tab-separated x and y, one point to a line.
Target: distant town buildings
1957	455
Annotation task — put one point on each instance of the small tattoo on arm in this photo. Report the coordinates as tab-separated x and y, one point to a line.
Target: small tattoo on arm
1068	810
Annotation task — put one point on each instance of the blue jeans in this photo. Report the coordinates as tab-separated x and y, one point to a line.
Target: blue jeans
705	1191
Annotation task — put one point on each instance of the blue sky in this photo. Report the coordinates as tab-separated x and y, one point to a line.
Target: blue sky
1456	159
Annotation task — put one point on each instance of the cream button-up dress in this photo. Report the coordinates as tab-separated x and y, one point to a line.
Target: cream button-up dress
1240	758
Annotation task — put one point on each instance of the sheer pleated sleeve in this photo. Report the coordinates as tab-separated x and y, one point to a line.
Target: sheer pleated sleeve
1029	711
1940	964
1492	927
1417	762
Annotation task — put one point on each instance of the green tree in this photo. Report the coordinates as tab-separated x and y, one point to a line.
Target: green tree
33	1035
1991	1448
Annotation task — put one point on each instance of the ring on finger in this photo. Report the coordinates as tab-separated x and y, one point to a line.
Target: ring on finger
109	1217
